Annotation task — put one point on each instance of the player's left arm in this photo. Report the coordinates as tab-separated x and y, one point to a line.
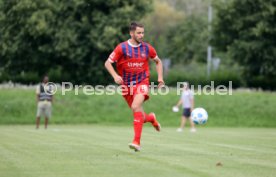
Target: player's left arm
192	101
159	66
192	104
159	69
52	98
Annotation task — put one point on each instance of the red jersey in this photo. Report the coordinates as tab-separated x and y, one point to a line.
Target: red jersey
133	61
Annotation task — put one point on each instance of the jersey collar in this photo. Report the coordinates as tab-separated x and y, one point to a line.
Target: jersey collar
132	45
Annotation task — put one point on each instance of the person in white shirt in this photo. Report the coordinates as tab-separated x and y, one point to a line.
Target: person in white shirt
187	102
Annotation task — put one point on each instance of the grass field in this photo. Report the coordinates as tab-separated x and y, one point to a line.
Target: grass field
242	109
101	151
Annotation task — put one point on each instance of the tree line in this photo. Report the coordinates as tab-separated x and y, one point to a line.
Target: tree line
70	40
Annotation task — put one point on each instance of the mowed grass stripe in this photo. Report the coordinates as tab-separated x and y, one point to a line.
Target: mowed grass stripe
102	151
102	145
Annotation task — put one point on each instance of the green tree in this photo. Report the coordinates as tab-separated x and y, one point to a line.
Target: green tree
158	24
246	30
176	16
70	39
189	40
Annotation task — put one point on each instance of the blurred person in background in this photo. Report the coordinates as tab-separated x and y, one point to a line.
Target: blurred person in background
44	99
187	102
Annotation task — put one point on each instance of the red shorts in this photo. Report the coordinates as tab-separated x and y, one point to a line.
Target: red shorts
129	92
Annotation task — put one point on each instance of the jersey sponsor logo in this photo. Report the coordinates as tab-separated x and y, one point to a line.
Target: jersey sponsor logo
135	64
143	54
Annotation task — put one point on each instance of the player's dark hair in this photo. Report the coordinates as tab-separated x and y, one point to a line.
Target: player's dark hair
134	25
44	76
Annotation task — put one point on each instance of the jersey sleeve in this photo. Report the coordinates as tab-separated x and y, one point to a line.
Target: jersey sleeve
152	52
116	54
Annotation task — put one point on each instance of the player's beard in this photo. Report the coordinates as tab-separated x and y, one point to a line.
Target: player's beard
138	40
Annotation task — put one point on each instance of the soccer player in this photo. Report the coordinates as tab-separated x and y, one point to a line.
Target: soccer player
132	61
187	101
44	102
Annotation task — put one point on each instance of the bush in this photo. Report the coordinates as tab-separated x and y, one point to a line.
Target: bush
23	78
195	74
262	82
4	77
223	77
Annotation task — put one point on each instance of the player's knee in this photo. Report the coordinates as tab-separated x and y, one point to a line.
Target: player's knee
135	107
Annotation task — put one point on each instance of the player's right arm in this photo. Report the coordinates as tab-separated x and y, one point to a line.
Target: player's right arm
117	79
179	103
114	57
37	92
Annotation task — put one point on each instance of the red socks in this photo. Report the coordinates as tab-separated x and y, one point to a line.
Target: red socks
138	126
149	118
